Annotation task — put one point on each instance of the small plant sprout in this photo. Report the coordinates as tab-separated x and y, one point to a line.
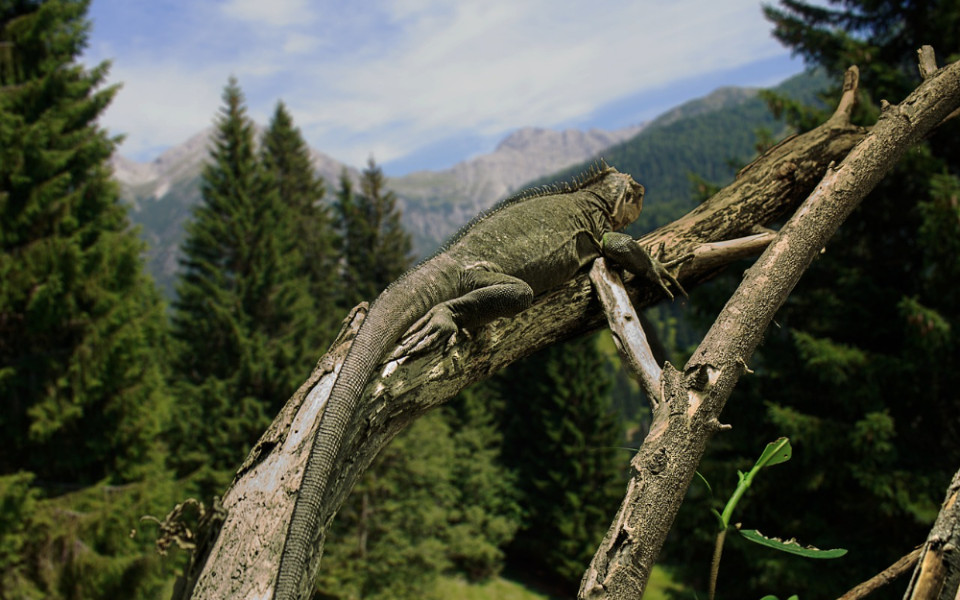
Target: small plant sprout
776	452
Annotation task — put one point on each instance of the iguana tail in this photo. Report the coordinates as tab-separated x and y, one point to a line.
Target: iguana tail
389	317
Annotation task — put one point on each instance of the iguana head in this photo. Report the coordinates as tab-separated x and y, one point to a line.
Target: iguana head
624	197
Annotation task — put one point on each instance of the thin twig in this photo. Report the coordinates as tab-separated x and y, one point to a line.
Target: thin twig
884	577
627	331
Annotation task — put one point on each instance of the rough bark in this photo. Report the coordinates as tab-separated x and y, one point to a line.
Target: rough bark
693	399
937	575
243	558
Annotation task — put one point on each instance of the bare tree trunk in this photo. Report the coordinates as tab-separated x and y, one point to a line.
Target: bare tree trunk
242	559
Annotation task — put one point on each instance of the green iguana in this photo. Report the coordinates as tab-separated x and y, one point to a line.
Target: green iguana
493	268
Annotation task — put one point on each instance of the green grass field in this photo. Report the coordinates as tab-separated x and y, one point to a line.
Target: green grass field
499	588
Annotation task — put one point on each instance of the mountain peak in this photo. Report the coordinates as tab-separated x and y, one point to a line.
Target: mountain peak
528	139
523	138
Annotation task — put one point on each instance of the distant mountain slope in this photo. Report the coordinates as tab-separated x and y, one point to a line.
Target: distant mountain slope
711	137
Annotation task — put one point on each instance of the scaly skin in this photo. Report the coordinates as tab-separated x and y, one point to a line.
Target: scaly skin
493	268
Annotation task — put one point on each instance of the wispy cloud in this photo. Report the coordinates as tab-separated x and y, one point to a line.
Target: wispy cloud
388	78
275	13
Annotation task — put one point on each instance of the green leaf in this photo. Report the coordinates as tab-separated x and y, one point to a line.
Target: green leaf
776	452
791	546
705	482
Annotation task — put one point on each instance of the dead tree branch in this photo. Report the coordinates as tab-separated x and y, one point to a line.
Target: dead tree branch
694	398
243	559
937	575
883	578
628	335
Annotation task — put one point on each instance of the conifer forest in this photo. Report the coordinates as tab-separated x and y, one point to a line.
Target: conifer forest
126	413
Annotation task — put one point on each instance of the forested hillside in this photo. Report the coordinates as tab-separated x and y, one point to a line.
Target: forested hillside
704	141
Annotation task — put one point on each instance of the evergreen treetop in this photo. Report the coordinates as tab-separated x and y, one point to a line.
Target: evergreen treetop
81	326
242	318
286	158
376	249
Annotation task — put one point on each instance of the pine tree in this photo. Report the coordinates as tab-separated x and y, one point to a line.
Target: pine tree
561	441
376	249
242	318
82	329
286	157
81	321
860	370
347	219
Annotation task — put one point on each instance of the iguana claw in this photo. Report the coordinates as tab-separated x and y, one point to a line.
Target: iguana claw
663	272
431	329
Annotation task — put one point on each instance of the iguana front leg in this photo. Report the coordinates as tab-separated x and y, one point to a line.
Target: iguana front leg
623	250
491	295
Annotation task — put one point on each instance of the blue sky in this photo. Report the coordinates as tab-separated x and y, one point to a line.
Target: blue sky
421	84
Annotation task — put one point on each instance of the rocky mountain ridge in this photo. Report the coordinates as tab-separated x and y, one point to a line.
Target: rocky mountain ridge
522	156
162	192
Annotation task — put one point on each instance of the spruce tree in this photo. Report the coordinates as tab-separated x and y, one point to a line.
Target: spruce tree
561	439
286	157
81	322
376	249
347	219
82	329
485	515
861	369
242	318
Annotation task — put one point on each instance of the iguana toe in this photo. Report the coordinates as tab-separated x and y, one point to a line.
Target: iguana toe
436	327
